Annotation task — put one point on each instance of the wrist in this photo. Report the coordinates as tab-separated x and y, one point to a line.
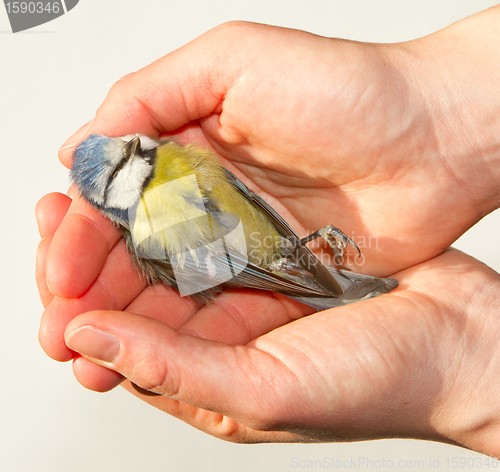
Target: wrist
454	75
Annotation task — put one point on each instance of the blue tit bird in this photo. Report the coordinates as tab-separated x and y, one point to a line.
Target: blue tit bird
191	224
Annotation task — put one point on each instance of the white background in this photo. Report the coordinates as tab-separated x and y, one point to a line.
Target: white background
52	79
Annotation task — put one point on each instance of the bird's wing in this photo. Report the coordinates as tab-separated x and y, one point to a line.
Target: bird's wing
206	267
357	287
277	220
303	255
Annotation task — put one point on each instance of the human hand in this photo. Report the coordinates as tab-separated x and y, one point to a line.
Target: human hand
419	362
342	136
370	138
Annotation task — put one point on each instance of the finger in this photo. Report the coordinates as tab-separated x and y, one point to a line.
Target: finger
50	211
79	250
239	316
116	286
190	133
210	422
166	305
228	380
66	150
99	379
158	302
183	86
46	295
234	317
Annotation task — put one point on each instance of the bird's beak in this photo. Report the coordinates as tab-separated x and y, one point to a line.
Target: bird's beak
132	147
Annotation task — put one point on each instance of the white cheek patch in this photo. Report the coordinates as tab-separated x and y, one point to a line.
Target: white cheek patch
146	142
126	188
114	151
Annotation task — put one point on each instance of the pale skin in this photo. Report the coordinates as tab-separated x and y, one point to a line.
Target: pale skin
398	142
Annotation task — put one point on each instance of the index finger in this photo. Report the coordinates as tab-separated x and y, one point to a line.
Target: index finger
181	87
79	249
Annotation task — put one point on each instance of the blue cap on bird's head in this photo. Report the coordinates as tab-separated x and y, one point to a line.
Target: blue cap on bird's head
111	173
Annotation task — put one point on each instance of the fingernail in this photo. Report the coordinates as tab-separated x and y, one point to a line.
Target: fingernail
95	343
76	137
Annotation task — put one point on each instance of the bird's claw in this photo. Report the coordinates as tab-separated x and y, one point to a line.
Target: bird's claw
337	240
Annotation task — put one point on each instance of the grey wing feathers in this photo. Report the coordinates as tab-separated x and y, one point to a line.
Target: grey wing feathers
303	255
356	287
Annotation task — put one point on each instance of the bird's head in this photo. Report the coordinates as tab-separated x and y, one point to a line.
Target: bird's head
111	173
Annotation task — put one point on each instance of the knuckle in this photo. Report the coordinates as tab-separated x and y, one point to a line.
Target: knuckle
153	374
122	84
119	91
234	30
229	430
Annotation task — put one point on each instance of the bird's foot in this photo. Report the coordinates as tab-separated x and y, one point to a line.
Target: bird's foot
336	239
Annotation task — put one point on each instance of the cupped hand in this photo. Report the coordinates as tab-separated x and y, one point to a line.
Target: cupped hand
329	132
421	361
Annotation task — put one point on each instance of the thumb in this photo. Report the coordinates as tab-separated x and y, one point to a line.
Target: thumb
186	85
230	380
